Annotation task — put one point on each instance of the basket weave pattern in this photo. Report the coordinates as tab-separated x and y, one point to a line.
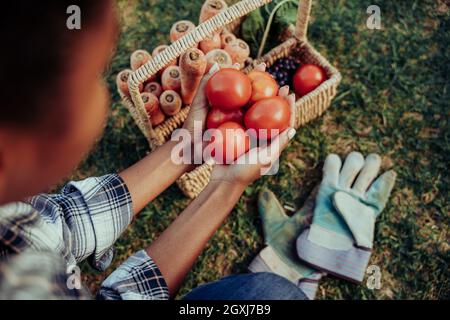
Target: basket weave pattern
308	107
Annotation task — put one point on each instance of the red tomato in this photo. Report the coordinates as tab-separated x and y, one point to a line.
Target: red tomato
307	78
230	142
216	117
270	113
263	86
228	89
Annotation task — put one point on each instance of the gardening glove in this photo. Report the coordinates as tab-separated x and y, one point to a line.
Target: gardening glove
280	233
340	238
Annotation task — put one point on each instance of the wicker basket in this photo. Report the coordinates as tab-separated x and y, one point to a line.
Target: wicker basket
309	107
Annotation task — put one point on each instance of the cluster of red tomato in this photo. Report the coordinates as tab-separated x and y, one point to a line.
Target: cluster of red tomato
241	102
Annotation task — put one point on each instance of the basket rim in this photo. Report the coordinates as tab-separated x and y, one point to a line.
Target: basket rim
333	80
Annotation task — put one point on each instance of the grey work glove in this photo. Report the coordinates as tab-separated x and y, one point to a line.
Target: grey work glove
340	239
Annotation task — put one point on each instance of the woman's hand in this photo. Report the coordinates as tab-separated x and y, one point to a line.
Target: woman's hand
257	161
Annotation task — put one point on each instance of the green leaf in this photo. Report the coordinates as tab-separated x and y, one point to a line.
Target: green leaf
252	30
253	27
286	15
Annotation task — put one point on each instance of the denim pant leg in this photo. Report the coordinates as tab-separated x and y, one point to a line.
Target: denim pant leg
251	286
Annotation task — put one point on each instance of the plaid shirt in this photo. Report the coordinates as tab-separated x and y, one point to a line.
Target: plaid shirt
42	240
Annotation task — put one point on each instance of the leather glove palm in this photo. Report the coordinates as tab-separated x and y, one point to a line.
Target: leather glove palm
340	238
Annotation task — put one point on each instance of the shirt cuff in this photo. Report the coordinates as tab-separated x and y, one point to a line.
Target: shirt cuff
138	278
110	211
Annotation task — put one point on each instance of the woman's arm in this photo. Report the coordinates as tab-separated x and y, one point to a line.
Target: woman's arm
176	250
152	175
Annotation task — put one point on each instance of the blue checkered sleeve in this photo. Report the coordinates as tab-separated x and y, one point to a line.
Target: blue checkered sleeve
138	278
91	214
84	221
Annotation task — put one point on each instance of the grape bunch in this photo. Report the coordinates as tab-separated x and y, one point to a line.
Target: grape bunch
283	70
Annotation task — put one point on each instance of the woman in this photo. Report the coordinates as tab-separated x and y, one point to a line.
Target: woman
54	106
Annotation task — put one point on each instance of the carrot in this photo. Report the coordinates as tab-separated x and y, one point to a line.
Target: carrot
210	8
170	79
238	50
192	66
138	58
210	43
180	28
157	117
225	38
219	56
170	102
122	82
154	88
151	102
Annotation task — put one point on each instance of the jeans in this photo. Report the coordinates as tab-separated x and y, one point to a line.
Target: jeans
251	286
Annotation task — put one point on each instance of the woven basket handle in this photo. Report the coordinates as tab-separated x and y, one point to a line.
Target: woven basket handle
201	32
303	13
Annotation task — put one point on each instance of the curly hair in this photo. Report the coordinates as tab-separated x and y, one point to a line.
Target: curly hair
33	61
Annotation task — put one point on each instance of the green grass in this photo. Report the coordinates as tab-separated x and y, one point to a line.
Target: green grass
393	100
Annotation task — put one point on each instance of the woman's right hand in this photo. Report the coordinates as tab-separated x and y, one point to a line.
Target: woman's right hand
257	161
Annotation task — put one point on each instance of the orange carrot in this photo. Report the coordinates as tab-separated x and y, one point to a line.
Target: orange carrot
154	88
151	102
238	50
180	28
157	117
219	56
192	67
138	58
225	38
122	82
170	79
211	43
170	102
210	8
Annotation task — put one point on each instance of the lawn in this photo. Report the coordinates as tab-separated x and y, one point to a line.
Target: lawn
393	100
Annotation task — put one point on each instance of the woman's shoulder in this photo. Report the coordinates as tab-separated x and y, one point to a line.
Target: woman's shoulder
23	227
15	218
38	275
29	267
